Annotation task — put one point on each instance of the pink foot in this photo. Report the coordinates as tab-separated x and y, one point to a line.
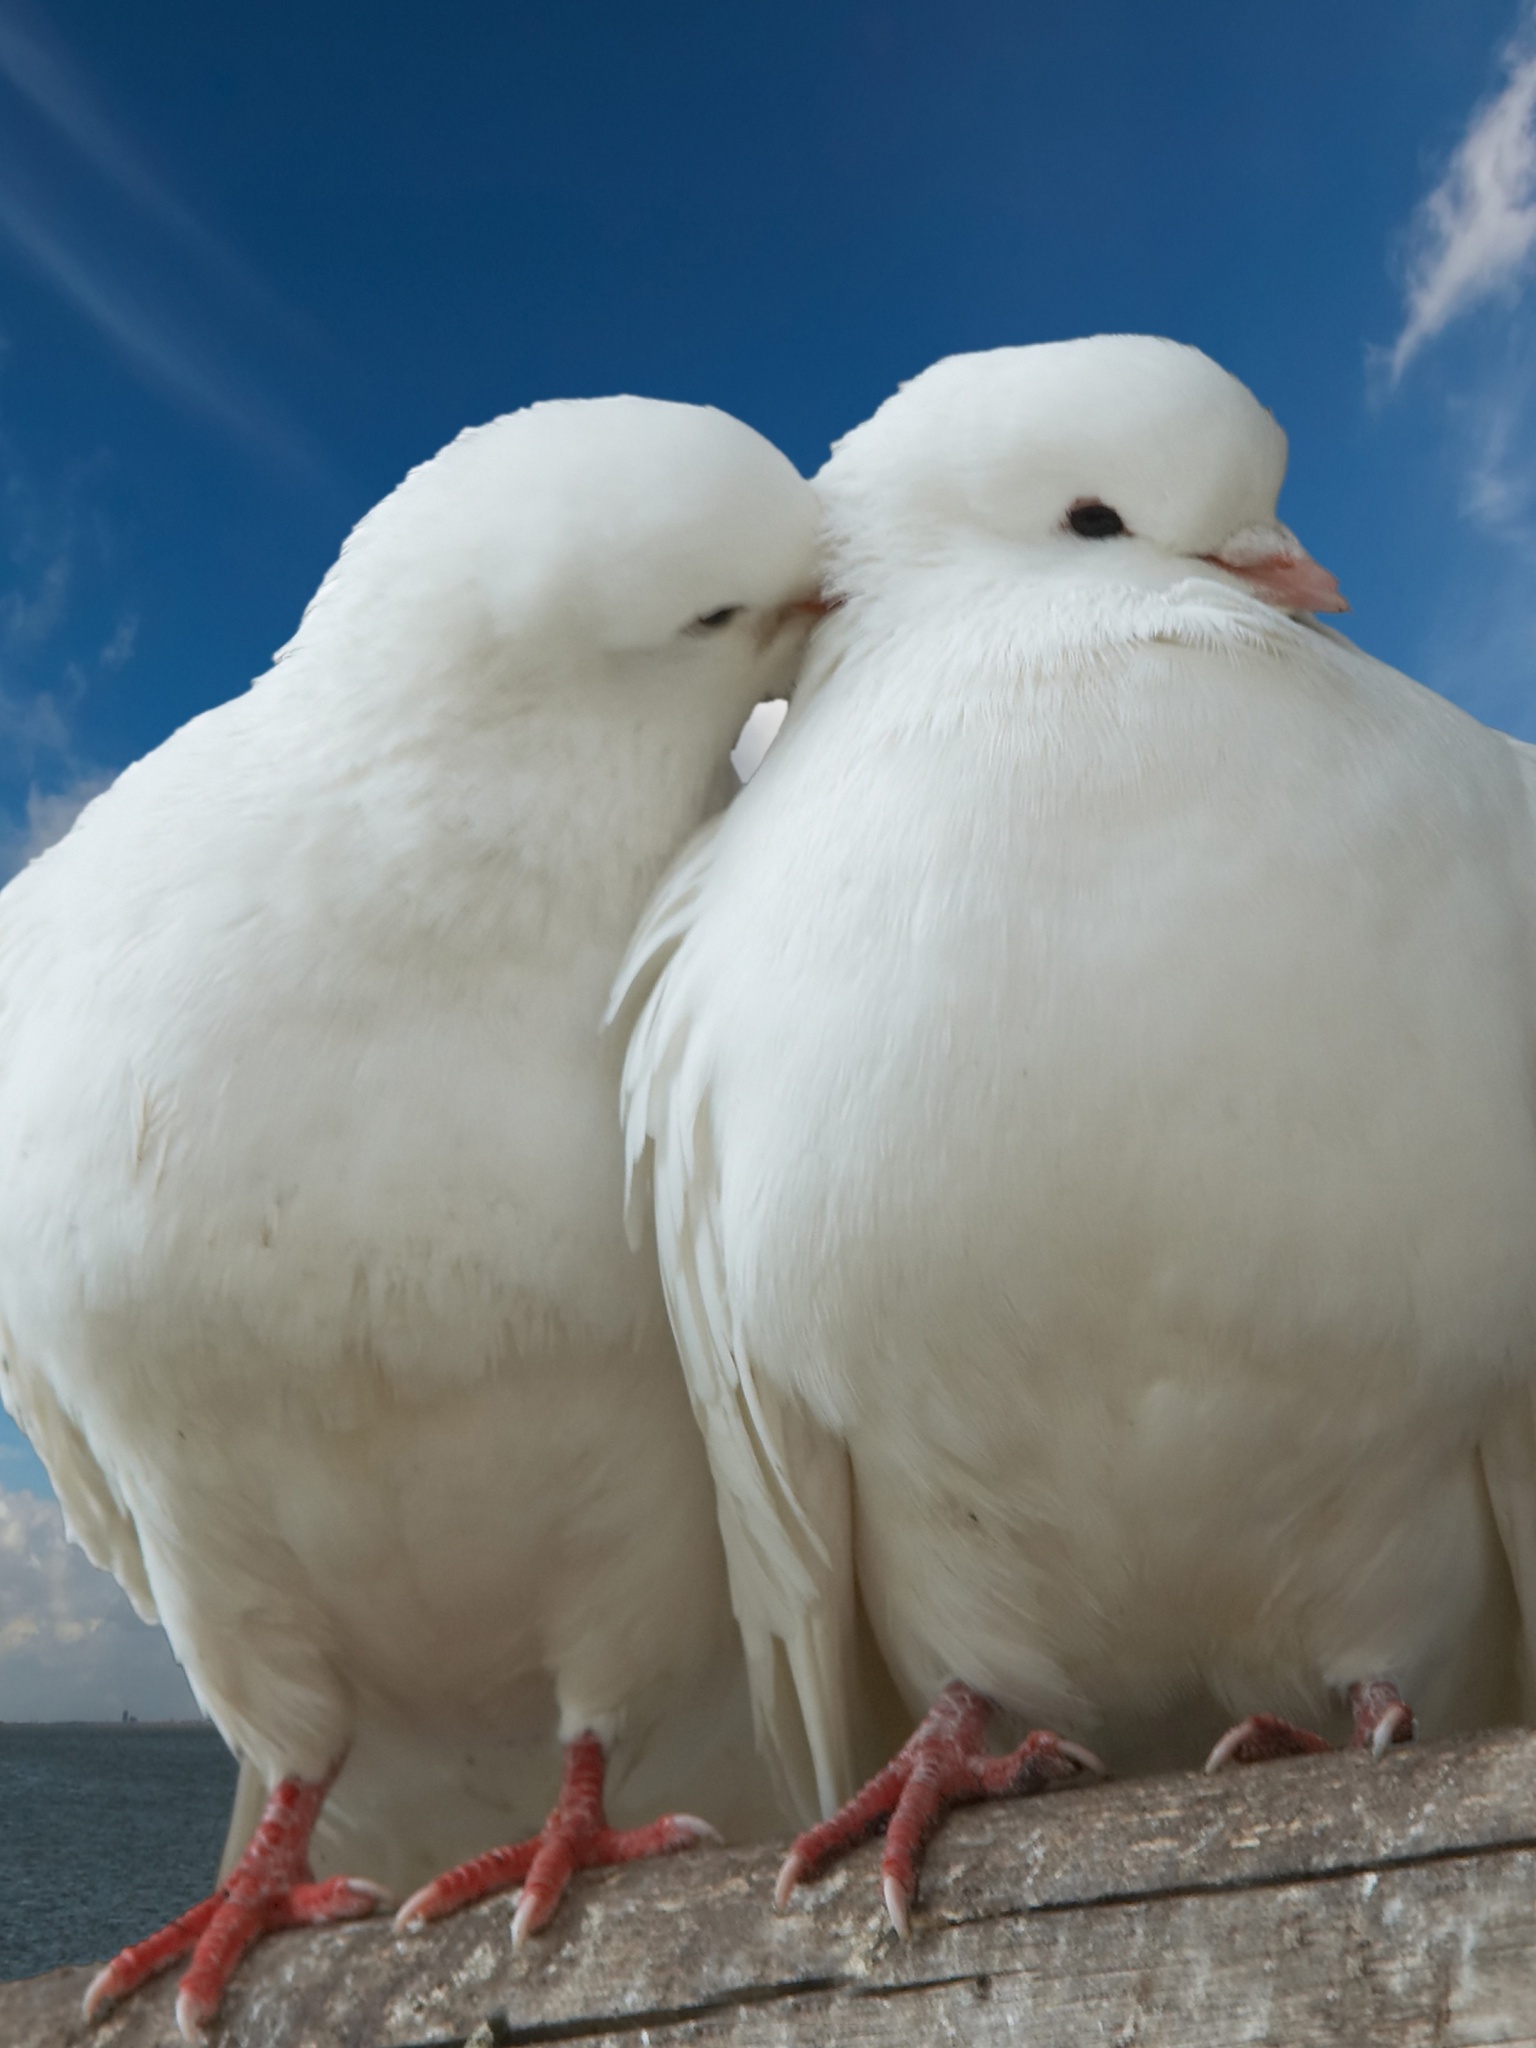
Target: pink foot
269	1888
1381	1714
576	1836
943	1764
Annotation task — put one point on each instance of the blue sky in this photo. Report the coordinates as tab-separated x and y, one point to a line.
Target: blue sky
257	260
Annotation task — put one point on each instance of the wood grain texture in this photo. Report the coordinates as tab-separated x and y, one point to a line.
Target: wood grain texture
1327	1900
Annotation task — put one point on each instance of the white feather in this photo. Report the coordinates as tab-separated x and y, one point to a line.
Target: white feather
316	1294
787	1541
1111	1011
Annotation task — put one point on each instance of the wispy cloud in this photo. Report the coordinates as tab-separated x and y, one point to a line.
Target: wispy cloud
1480	647
113	255
118	650
1474	236
65	632
40	73
71	1648
1493	425
49	815
1470	243
145	335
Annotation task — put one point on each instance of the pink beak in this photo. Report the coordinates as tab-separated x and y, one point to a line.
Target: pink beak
1285	576
798	610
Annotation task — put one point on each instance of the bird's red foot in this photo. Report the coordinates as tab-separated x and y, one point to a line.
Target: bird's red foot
1382	1717
945	1763
269	1888
576	1836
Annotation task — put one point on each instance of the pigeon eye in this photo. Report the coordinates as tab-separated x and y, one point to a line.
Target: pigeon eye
712	621
1094	521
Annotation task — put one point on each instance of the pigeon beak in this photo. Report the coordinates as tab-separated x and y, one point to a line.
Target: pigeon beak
800	611
1275	566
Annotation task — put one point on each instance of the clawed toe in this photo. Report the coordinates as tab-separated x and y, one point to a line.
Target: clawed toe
269	1889
945	1763
1396	1725
791	1871
1090	1765
1262	1739
575	1837
898	1906
1381	1716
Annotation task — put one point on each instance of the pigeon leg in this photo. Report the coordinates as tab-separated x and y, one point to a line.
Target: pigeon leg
945	1763
1381	1716
576	1836
269	1888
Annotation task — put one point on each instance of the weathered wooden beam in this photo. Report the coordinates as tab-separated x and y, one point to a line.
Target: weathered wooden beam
1330	1900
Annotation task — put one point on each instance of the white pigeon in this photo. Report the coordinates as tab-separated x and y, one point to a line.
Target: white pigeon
1090	1083
315	1292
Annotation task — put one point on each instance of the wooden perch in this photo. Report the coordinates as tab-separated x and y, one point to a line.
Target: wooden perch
1325	1900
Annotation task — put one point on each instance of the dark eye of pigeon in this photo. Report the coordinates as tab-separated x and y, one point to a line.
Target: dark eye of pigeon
1094	521
710	621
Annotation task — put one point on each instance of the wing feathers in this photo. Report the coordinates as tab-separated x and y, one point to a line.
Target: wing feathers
1508	1453
781	1481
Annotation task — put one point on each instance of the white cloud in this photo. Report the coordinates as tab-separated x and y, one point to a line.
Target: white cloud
1493	436
71	1648
128	278
119	648
33	726
1495	493
1475	234
28	617
50	813
66	633
145	333
1471	242
35	66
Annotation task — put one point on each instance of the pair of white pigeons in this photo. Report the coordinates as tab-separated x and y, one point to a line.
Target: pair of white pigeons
1085	1087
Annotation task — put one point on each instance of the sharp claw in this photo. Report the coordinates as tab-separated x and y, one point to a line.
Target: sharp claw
1085	1758
696	1830
788	1878
190	2018
525	1920
98	2000
1228	1747
1386	1730
897	1904
413	1915
1265	1738
373	1896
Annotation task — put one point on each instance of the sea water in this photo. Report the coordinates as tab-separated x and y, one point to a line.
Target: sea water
106	1832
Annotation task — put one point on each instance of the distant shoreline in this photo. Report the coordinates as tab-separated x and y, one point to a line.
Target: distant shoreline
197	1723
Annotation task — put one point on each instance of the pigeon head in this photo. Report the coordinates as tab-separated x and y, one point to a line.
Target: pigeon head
1117	460
611	546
